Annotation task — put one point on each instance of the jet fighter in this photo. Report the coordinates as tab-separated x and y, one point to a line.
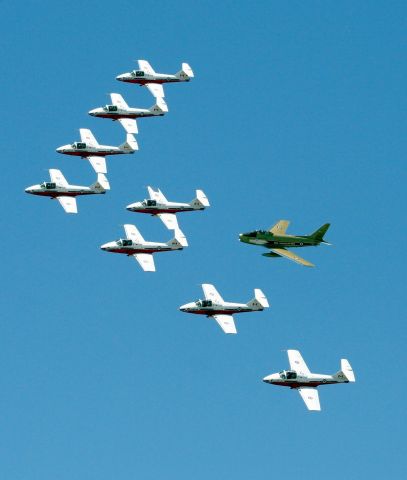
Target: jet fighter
59	188
300	378
119	110
278	241
90	149
146	76
134	245
215	307
165	210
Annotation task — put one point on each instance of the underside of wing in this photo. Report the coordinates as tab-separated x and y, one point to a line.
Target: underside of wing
226	323
156	90
129	124
310	397
211	293
146	261
119	101
57	177
156	195
280	227
88	137
68	204
297	362
146	67
133	234
98	164
291	256
169	220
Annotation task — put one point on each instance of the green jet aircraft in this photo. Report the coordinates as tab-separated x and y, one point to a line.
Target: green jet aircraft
277	241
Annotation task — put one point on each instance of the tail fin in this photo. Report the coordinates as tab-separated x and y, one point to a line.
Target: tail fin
319	234
345	374
259	302
130	145
160	107
201	201
185	73
179	241
102	184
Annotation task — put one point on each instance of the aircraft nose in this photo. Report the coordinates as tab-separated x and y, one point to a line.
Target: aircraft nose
183	308
120	77
104	246
93	112
131	206
28	190
60	149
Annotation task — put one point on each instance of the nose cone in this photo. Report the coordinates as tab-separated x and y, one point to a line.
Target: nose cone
270	378
122	77
186	307
105	246
29	189
62	148
133	206
93	112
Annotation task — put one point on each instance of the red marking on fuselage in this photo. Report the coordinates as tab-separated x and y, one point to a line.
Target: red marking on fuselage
61	194
157	211
218	312
85	153
143	81
301	384
115	116
128	251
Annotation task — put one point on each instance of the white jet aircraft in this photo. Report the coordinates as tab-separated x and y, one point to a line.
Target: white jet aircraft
145	75
300	378
134	245
165	210
59	188
119	110
215	307
90	149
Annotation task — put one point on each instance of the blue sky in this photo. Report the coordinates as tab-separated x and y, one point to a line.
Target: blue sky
297	111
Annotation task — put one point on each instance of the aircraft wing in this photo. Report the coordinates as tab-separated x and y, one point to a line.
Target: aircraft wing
169	220
133	234
156	195
98	164
291	256
146	67
146	261
280	227
129	124
211	293
88	137
68	204
57	177
156	90
118	100
310	397
226	323
297	362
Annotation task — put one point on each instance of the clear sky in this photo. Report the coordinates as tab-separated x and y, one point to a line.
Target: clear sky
297	111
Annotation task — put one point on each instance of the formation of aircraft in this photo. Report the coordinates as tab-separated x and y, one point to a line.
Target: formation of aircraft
60	189
278	241
300	378
90	149
215	307
120	111
158	205
134	245
146	76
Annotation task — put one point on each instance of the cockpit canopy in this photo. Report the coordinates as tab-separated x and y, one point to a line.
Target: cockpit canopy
79	145
49	185
288	374
151	203
124	242
251	234
137	73
110	108
204	303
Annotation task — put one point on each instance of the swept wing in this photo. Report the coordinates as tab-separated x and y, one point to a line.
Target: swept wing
156	195
156	90
133	234
280	227
129	124
119	101
310	397
282	252
68	204
297	362
146	261
57	177
88	137
146	67
169	220
98	164
226	323
211	293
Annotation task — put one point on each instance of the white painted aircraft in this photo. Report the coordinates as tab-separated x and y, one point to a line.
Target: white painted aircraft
59	188
165	210
215	307
120	111
145	75
90	149
300	378
134	245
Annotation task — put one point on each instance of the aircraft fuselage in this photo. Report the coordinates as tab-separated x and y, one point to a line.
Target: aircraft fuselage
170	207
312	380
136	77
148	247
268	240
72	191
225	309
